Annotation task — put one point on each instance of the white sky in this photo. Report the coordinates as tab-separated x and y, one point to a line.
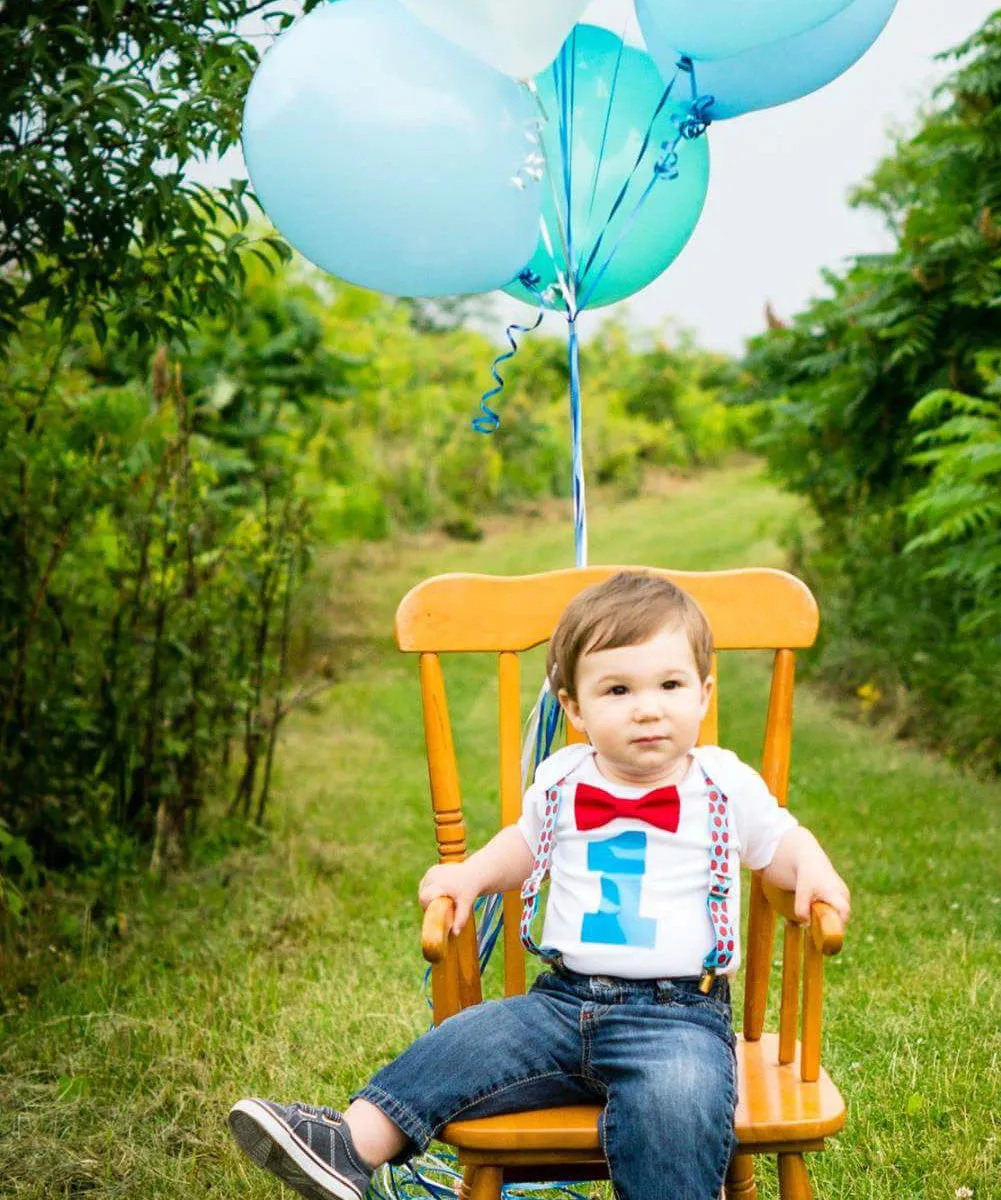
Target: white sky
776	211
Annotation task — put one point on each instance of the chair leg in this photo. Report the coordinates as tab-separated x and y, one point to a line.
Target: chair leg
485	1183
740	1183
794	1183
466	1187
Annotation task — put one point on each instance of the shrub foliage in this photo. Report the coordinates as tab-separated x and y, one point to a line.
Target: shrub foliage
883	410
159	510
186	415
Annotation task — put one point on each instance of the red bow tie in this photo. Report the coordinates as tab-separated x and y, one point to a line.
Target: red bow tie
594	807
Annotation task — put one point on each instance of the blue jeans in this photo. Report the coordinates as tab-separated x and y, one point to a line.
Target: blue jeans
657	1053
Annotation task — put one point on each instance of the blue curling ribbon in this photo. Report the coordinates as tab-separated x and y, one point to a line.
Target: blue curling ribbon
438	1176
616	204
548	718
579	500
700	110
491	922
564	80
604	133
416	1179
488	914
489	421
694	124
542	733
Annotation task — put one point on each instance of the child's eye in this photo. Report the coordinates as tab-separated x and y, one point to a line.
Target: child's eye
618	689
670	684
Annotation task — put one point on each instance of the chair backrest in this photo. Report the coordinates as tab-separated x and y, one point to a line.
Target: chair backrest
748	609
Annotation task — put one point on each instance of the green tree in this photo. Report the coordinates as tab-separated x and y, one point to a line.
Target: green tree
846	374
956	513
881	408
103	106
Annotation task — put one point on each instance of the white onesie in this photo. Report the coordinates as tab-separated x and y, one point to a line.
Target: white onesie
627	894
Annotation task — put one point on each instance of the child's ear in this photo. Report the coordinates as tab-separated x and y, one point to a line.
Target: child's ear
571	708
708	684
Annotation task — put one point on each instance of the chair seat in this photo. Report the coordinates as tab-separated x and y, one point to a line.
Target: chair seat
774	1107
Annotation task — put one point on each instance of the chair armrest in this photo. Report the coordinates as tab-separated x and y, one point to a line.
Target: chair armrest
438	918
827	930
455	968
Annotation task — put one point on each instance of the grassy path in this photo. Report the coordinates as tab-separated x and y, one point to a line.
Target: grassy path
291	967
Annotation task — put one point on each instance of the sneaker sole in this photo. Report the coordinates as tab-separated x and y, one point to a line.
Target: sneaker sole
271	1144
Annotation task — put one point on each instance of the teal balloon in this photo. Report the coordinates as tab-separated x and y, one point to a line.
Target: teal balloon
389	156
616	92
780	71
705	29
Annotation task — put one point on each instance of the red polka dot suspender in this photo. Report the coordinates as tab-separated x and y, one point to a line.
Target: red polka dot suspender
717	901
543	859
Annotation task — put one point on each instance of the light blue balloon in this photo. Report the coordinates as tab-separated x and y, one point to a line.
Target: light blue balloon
705	29
390	157
616	91
781	71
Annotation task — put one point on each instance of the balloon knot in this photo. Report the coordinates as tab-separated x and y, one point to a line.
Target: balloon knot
698	119
666	167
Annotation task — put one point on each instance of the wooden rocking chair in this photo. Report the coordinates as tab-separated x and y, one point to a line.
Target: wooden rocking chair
787	1103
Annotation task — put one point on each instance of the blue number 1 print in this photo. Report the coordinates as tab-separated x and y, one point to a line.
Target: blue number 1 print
621	862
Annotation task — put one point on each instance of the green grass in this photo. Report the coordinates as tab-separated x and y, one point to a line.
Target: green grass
291	967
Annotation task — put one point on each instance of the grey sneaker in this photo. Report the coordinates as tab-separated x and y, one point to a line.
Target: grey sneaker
309	1149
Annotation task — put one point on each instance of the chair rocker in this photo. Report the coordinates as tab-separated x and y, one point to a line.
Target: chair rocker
787	1104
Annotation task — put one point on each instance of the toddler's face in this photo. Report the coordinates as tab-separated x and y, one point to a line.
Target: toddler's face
641	707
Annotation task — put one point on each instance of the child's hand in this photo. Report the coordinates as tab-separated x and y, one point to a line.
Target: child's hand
800	865
816	879
454	880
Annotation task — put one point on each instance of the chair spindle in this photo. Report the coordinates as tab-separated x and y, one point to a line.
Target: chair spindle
792	954
813	985
509	700
452	986
775	772
450	828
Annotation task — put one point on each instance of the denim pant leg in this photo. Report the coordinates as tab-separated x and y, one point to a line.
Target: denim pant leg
499	1056
670	1070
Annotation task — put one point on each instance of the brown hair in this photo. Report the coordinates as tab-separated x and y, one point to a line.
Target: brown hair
629	608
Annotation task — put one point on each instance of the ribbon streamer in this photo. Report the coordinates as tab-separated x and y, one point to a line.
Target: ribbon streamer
542	731
579	499
608	120
692	125
629	178
490	420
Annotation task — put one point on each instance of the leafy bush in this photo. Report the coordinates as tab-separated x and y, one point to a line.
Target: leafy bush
955	515
102	109
178	427
159	510
146	571
882	409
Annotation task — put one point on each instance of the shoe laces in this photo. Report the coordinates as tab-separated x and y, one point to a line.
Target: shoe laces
313	1110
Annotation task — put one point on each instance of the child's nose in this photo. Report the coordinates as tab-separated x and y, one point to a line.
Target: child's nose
648	706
